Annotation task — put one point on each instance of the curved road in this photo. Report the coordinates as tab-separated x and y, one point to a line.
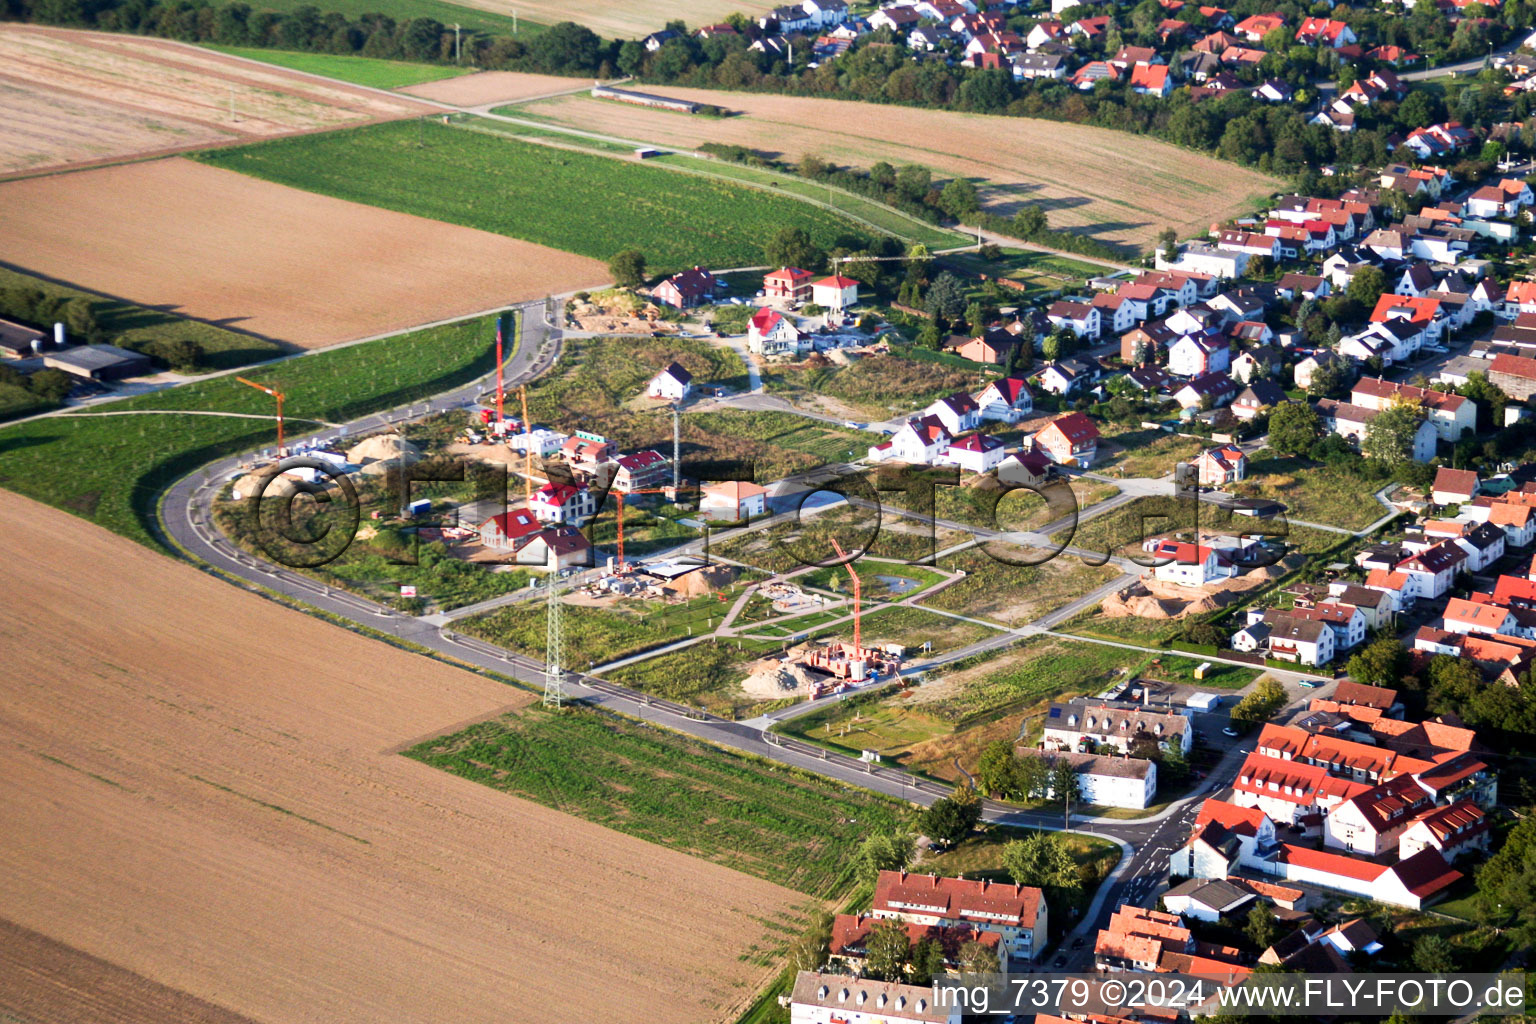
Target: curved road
185	519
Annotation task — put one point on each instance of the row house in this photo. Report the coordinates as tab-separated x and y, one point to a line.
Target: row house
1016	913
1083	726
1452	415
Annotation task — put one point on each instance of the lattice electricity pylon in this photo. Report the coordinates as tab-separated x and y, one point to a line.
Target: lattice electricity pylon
554	675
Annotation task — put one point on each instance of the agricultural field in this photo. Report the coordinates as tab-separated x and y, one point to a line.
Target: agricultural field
572	201
110	468
1075	172
131	325
369	71
869	389
274	262
623	19
1015	594
484	87
79	97
1312	491
1038	272
489	19
246	799
766	820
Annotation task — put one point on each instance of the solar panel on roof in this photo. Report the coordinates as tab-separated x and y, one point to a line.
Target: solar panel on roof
1055	712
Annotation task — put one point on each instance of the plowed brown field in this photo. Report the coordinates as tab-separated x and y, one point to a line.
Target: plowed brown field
199	791
74	97
1118	187
275	261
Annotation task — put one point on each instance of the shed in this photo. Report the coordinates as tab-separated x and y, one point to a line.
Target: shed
98	362
1202	701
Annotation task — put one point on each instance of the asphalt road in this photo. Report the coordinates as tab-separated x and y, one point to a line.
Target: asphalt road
1145	843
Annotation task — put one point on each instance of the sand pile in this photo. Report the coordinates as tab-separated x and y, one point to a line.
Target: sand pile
771	679
376	452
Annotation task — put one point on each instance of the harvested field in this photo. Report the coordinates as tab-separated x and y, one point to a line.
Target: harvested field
77	97
227	816
495	87
265	259
621	19
1075	172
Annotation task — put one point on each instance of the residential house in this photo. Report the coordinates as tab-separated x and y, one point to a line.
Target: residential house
563	503
975	453
851	932
995	347
1151	80
1454	830
1452	415
640	471
682	291
1351	422
732	501
673	384
1190	565
587	453
1433	570
1005	400
1303	371
1302	286
1217	467
1325	32
771	333
1504	199
1209	390
1194	355
1256	27
1067	376
1070	440
836	293
789	283
1513	375
1082	726
958	412
920	441
1287	638
1256	398
1081	318
1454	486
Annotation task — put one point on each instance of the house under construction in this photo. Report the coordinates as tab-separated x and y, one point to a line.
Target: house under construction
852	662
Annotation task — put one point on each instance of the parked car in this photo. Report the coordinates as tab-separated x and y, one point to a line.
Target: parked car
1311	684
1229	731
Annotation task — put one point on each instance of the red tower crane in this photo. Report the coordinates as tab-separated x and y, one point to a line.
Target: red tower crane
277	395
858	595
622	565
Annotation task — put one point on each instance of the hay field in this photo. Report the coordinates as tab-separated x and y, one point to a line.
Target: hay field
75	97
259	257
1118	187
486	87
202	789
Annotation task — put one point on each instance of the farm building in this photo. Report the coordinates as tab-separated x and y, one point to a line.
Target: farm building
17	341
732	501
644	99
98	362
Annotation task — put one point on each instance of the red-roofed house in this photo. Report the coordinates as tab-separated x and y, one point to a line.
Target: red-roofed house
1190	565
1371	822
1513	375
1453	830
1451	415
1454	486
689	288
1216	467
733	500
562	503
771	333
920	441
850	939
836	293
1005	400
1070	440
1256	27
1333	34
975	453
1017	913
789	283
1151	80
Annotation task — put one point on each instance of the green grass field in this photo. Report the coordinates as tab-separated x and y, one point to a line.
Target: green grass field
111	469
473	19
573	201
222	349
369	71
874	387
767	820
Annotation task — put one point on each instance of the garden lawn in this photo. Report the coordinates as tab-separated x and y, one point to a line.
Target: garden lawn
578	202
132	326
798	830
111	469
369	71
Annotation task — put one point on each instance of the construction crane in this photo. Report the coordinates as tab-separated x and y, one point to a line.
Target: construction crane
858	594
522	393
277	395
501	420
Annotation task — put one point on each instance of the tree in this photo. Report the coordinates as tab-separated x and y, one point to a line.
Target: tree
1262	928
1042	860
887	950
1293	428
809	951
79	316
1168	241
792	247
1260	705
1390	435
976	958
1366	286
628	268
958	199
179	354
1506	885
926	963
1489	398
1433	954
1050	348
1064	787
1330	379
949	820
946	296
1030	222
996	769
884	851
51	385
1380	663
1172	765
914	182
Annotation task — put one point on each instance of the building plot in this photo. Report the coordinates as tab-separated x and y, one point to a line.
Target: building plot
79	97
263	258
203	790
496	87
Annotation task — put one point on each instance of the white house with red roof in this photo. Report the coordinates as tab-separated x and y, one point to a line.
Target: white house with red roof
1453	830
771	333
1070	440
836	293
1326	32
503	532
920	441
1411	882
534	543
1017	913
733	500
1371	822
1225	837
640	470
1005	400
1197	354
1216	467
1463	616
1190	565
958	412
1454	486
975	453
788	283
1434	570
563	503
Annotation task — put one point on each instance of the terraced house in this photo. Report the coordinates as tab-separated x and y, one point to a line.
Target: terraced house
1016	913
